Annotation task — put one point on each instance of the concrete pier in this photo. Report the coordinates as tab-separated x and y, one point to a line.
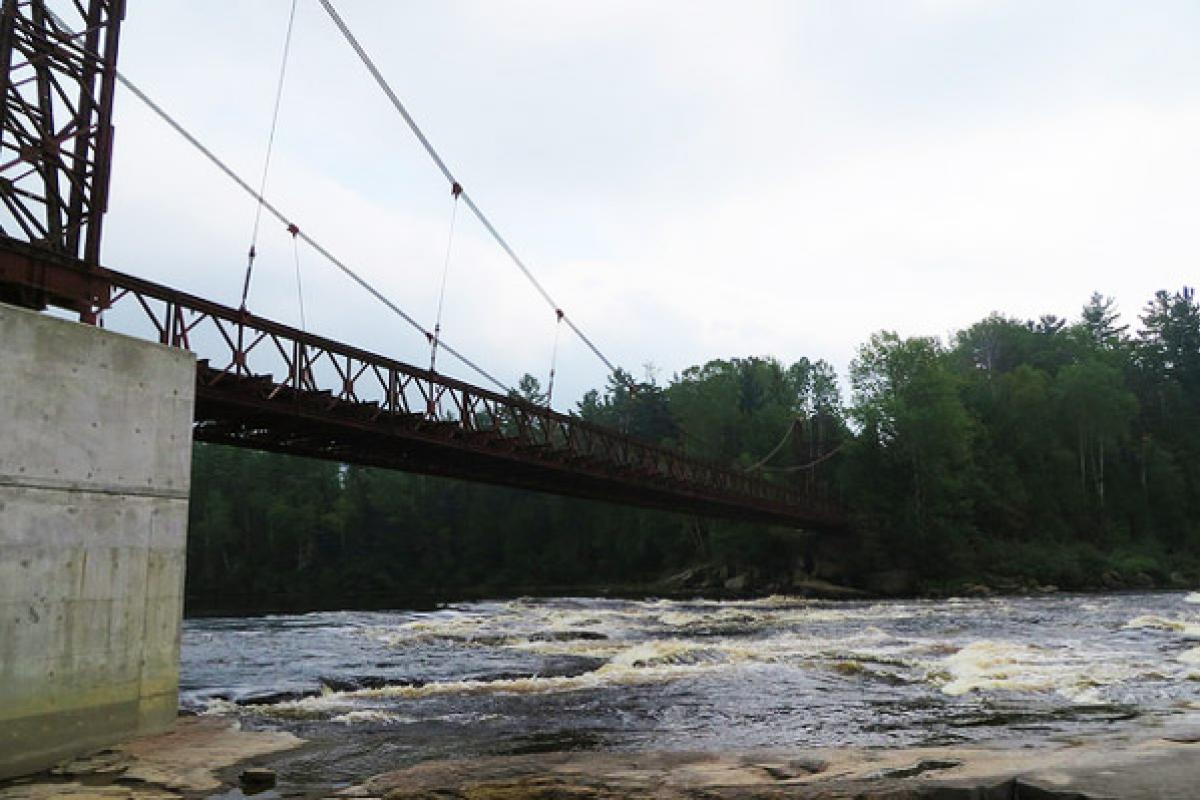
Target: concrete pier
95	463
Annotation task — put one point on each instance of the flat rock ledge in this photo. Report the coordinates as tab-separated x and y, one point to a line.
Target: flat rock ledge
190	761
1092	769
180	763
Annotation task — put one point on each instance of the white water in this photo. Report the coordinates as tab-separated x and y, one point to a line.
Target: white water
770	672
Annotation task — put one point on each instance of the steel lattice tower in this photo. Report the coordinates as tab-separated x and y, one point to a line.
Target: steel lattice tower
58	67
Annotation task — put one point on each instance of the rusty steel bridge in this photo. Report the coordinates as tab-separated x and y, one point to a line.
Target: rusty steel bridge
264	385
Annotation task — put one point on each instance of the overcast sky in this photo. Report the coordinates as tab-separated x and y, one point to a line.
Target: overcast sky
690	180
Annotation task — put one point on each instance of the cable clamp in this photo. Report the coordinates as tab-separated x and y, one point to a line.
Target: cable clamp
456	190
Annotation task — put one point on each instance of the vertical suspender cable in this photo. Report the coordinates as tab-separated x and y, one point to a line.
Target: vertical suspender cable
262	185
558	318
455	191
294	231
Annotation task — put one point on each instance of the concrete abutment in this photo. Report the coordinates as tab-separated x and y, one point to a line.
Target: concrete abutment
95	465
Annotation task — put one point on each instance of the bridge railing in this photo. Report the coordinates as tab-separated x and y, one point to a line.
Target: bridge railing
241	349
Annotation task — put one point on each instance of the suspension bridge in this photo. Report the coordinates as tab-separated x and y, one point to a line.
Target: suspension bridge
97	419
270	386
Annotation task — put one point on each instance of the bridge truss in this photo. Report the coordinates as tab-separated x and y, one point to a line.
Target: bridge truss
268	386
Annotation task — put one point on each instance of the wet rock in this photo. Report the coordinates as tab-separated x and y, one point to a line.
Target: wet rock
891	582
976	590
530	789
821	589
568	636
1001	791
1013	789
922	766
272	698
793	768
569	666
259	778
809	765
561	741
737	583
694	578
357	682
108	762
339	684
1006	584
82	791
777	772
1141	580
1111	579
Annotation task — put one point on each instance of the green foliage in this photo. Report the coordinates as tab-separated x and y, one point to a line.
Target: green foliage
1042	449
915	440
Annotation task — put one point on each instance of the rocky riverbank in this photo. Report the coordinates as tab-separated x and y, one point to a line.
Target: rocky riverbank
204	757
1155	767
713	581
189	761
722	582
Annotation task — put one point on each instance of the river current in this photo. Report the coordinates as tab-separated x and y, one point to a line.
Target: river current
529	675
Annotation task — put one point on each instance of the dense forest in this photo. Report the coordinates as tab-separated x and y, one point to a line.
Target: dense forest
1015	454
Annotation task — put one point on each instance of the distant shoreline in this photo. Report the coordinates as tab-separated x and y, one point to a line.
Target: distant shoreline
254	605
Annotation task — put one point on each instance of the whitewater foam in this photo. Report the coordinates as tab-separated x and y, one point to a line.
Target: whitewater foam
1189	628
1006	666
1190	656
371	715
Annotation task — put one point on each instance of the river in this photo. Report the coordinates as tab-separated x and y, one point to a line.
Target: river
382	690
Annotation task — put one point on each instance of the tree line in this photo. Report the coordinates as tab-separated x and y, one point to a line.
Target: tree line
1050	451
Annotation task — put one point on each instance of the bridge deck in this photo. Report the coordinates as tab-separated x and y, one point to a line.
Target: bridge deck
268	386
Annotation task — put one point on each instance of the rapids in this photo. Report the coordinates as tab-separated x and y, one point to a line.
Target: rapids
539	674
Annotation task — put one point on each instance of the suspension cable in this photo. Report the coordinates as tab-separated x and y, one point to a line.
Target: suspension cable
554	357
293	230
449	176
262	184
801	467
281	217
455	191
762	461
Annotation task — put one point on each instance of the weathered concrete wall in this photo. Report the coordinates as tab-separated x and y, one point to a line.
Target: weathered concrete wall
95	461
